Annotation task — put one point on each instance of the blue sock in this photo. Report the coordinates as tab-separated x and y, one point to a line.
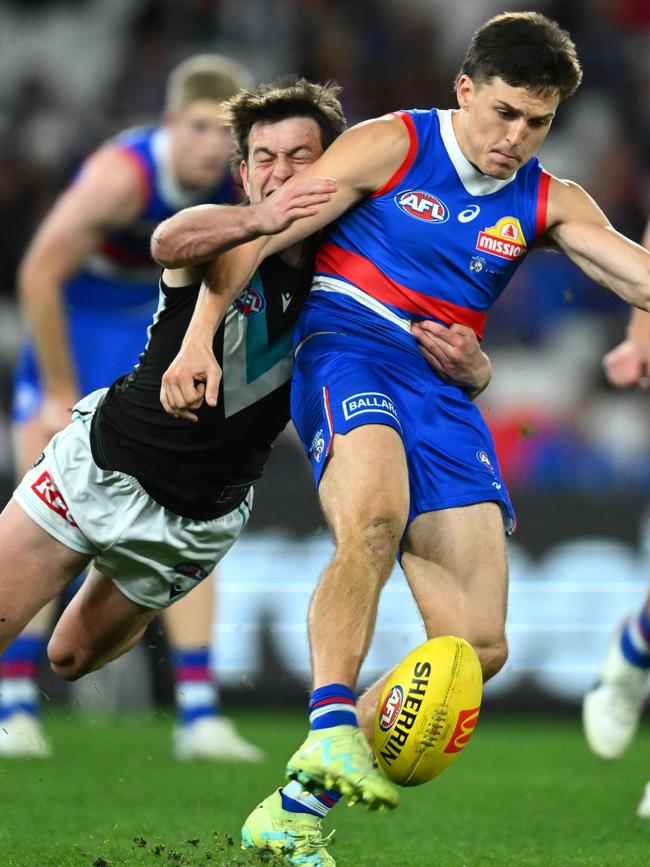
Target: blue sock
19	690
635	640
196	691
296	800
332	705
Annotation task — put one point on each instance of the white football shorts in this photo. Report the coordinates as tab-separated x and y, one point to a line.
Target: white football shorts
152	555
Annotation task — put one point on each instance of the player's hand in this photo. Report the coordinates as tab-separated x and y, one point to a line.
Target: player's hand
55	411
192	377
455	355
628	365
302	199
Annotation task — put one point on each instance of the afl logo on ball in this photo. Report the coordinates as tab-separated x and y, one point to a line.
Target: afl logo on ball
250	302
390	708
422	206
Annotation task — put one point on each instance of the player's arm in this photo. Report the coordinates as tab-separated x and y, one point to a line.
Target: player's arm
106	195
628	364
455	354
582	231
197	235
360	161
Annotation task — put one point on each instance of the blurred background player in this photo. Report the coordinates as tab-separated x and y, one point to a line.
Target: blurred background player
612	710
89	289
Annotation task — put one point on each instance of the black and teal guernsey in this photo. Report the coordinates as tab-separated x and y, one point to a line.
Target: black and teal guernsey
204	469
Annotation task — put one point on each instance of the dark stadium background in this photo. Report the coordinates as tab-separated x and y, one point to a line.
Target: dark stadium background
575	452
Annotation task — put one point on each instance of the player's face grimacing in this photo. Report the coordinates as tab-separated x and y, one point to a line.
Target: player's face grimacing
201	144
276	152
500	127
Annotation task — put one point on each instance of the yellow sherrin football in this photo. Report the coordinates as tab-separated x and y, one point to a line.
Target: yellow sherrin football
428	710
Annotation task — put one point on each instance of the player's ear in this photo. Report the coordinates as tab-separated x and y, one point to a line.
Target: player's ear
464	90
243	171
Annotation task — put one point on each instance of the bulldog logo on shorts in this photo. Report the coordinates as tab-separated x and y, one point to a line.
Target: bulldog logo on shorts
317	445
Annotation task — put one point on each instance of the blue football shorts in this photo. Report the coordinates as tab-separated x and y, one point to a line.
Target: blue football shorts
343	381
105	345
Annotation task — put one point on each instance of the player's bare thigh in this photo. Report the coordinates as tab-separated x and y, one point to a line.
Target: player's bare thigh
365	482
29	439
99	624
455	561
34	568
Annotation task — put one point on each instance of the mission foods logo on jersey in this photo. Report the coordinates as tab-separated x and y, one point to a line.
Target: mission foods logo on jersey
505	239
249	302
422	206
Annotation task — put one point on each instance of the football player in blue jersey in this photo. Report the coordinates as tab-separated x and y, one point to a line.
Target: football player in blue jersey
612	709
131	488
89	288
433	212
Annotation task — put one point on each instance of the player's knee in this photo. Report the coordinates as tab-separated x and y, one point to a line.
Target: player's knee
67	661
382	536
375	540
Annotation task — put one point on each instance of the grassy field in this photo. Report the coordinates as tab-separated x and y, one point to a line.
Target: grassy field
526	792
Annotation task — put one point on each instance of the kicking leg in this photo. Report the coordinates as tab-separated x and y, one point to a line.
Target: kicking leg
456	566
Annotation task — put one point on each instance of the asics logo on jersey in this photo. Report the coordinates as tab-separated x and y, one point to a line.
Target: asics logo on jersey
422	206
47	491
250	302
468	214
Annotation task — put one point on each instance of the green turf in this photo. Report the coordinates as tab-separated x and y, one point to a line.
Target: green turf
526	792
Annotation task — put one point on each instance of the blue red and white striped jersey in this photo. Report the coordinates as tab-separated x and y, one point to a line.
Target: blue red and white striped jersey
121	271
440	240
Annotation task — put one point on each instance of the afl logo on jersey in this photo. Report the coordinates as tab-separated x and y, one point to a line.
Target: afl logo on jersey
422	206
250	302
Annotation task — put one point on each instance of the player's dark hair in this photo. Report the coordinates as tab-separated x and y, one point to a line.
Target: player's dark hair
525	49
284	98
